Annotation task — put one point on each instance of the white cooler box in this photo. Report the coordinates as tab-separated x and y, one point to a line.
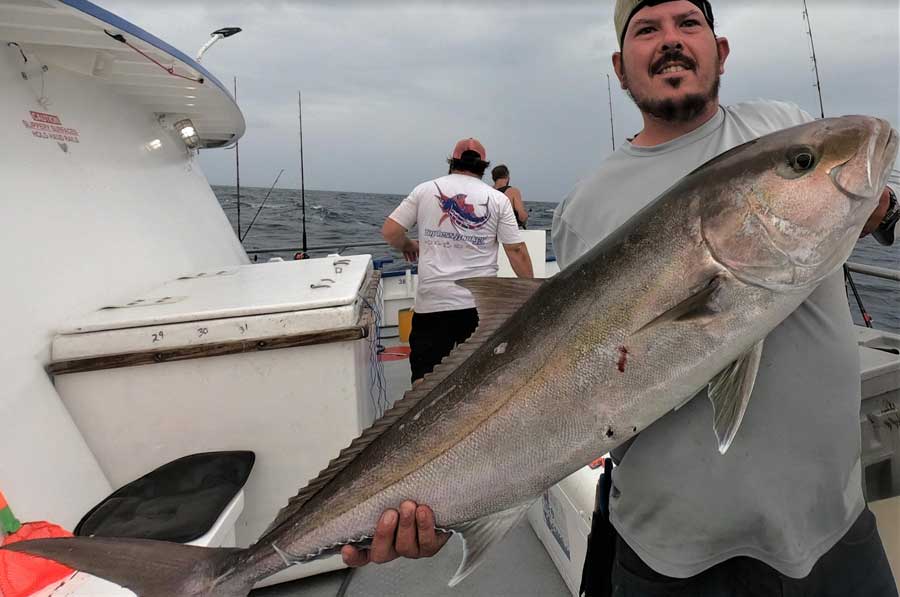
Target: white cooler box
276	358
562	521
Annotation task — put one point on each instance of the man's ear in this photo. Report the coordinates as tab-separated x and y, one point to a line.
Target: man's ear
617	66
724	49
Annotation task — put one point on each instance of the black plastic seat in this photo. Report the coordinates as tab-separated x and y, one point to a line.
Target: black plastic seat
180	501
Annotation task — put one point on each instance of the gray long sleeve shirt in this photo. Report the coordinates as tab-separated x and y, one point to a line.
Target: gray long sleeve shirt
790	485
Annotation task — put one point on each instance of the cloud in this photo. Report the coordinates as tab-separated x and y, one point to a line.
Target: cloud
388	87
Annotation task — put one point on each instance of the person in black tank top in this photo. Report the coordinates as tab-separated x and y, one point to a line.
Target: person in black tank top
500	174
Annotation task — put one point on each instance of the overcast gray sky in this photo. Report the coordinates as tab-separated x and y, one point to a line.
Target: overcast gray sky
388	87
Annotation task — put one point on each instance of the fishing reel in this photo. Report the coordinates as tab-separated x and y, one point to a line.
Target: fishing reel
884	234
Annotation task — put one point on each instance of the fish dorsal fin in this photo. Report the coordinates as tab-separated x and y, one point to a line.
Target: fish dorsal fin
479	535
513	291
500	296
729	392
496	299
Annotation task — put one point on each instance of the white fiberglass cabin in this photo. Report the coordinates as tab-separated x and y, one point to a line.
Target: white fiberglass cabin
101	200
137	331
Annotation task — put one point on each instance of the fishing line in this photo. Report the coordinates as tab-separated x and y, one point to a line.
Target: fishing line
261	206
377	383
345	584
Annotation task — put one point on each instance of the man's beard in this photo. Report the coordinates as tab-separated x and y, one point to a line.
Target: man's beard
678	110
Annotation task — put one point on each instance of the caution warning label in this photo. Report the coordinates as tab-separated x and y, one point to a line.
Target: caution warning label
49	126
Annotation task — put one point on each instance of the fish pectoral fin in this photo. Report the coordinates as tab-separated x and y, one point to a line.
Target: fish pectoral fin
729	392
479	535
694	306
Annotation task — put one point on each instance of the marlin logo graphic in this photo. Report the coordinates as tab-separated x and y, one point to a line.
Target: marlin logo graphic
460	213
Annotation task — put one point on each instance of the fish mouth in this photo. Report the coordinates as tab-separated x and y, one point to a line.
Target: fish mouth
875	161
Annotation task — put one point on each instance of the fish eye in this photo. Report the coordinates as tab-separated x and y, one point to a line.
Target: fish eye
801	159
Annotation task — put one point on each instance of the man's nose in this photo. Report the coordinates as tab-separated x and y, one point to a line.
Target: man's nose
671	39
670	44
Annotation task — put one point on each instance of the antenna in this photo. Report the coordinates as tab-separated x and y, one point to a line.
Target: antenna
612	130
812	46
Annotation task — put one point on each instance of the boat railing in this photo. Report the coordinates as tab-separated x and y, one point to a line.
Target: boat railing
340	248
871	270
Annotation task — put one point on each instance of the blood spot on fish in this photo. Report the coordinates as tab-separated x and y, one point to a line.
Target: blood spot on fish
501	348
609	432
623	359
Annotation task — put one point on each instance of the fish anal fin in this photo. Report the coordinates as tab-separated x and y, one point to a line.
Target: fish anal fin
729	392
479	535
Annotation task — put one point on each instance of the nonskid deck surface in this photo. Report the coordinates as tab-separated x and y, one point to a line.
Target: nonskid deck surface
519	565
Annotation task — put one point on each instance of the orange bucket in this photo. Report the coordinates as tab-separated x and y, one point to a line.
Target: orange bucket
404	322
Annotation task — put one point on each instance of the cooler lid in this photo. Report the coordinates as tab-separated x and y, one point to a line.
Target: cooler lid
236	291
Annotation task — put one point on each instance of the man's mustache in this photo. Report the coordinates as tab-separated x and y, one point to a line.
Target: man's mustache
672	57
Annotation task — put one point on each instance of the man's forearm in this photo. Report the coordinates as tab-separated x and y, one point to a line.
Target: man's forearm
395	234
520	261
399	242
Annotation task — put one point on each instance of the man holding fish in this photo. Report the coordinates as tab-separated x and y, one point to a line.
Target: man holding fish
783	509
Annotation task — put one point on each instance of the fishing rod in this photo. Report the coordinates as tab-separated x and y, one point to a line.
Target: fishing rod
261	206
237	169
612	131
812	45
304	254
867	319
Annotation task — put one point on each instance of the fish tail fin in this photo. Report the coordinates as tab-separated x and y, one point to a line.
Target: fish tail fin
149	568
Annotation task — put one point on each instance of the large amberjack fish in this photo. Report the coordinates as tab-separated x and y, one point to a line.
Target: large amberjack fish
678	299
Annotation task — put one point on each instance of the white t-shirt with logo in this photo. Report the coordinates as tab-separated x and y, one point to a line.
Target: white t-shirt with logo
461	220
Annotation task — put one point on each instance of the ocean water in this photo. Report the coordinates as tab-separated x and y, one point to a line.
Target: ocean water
337	220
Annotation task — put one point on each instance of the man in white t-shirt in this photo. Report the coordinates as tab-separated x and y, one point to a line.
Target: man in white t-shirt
462	221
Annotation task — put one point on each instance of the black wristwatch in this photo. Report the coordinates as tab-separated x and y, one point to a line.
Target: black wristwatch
884	234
